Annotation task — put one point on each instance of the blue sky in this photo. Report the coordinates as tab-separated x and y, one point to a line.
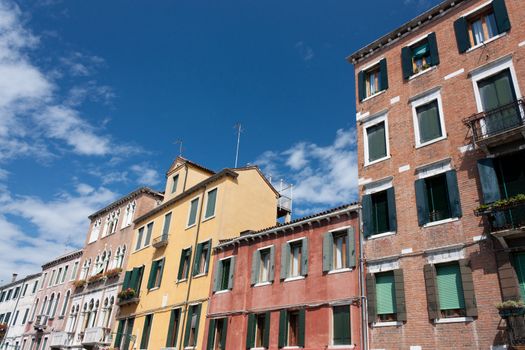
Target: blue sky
94	94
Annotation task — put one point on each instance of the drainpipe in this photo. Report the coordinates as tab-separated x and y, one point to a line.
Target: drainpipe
190	272
185	177
364	300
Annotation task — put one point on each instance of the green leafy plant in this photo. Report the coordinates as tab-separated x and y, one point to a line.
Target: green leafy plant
95	278
113	272
501	204
127	294
510	304
79	283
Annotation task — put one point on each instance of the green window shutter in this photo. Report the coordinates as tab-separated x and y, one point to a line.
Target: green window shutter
423	215
188	325
272	263
139	238
224	332
461	31
361	85
467	284
194	204
285	259
385	293
250	332
341	325
453	194
171	340
118	336
383	74
140	273
198	312
183	255
197	259
350	248
433	48
489	180
431	290
399	282
255	267
175	182
145	332
231	272
166	228
161	264
208	254
127	277
283	320
501	15
328	239
302	324
149	229
371	297
366	204
304	256
135	279
450	289
152	273
429	122
217	276
210	205
266	335
376	137
406	62
211	334
392	217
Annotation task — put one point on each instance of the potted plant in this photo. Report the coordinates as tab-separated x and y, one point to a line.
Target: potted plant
511	308
95	278
113	272
127	294
79	283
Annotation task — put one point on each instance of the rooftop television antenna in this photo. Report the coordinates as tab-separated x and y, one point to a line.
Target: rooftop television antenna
239	128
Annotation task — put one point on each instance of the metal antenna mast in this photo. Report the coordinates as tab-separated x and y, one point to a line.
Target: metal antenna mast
180	146
238	126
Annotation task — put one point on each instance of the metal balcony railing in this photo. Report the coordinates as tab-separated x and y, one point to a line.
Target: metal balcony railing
160	241
499	121
507	218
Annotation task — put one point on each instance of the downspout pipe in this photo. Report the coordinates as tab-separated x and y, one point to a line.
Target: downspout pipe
364	300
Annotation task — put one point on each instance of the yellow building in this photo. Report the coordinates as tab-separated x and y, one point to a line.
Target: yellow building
163	302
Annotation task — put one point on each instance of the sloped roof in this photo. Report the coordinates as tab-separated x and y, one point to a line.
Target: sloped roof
181	159
126	198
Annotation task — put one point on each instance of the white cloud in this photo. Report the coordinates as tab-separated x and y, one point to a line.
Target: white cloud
306	52
146	175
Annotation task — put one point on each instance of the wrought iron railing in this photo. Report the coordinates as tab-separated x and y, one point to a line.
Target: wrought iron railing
496	121
506	217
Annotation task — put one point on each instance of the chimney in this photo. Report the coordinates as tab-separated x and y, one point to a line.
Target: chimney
14	277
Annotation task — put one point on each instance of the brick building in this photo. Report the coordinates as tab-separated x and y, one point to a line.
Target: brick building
440	132
289	286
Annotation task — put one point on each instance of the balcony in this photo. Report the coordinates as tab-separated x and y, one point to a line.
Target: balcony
128	296
61	339
40	322
160	241
506	217
498	126
97	336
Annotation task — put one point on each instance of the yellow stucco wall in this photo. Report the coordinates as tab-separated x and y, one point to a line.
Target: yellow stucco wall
246	202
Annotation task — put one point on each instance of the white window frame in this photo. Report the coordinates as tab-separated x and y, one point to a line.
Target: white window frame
473	13
259	283
339	230
196	213
383	117
423	100
206	218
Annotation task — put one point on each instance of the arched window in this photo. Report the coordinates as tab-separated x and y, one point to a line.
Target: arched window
85	269
95	231
107	259
34	310
111	222
43	309
120	257
51	304
64	306
128	214
53	313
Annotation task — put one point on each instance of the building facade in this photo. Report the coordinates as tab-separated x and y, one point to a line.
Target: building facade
93	304
16	300
52	301
292	285
440	139
163	301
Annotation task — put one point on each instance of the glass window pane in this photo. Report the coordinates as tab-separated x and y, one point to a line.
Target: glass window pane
437	194
210	205
477	32
193	211
428	122
376	141
380	219
492	28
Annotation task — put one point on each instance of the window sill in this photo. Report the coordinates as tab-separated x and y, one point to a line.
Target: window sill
187	228
200	275
141	248
440	222
377	161
262	284
345	269
291	347
421	145
387	324
372	96
207	219
153	289
223	291
296	278
486	42
453	320
340	347
181	280
259	348
381	235
421	73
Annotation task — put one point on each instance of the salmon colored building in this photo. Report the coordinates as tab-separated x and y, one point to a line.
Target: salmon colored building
295	285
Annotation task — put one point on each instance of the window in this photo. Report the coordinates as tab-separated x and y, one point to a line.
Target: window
420	56
291	328
26	313
43	280
339	250
210	204
17	291
379	212
155	276
74	272
386	296
294	259
95	231
128	214
51	279
184	266
64	274
2	296
111	222
149	230
119	257
133	279
25	290
15	318
173	328
166	228
437	198
144	236
375	138
429	123
263	265
192	326
258	332
341	330
372	80
217	334
192	217
223	277
140	233
202	258
35	285
175	181
59	275
9	293
476	28
146	331
64	306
